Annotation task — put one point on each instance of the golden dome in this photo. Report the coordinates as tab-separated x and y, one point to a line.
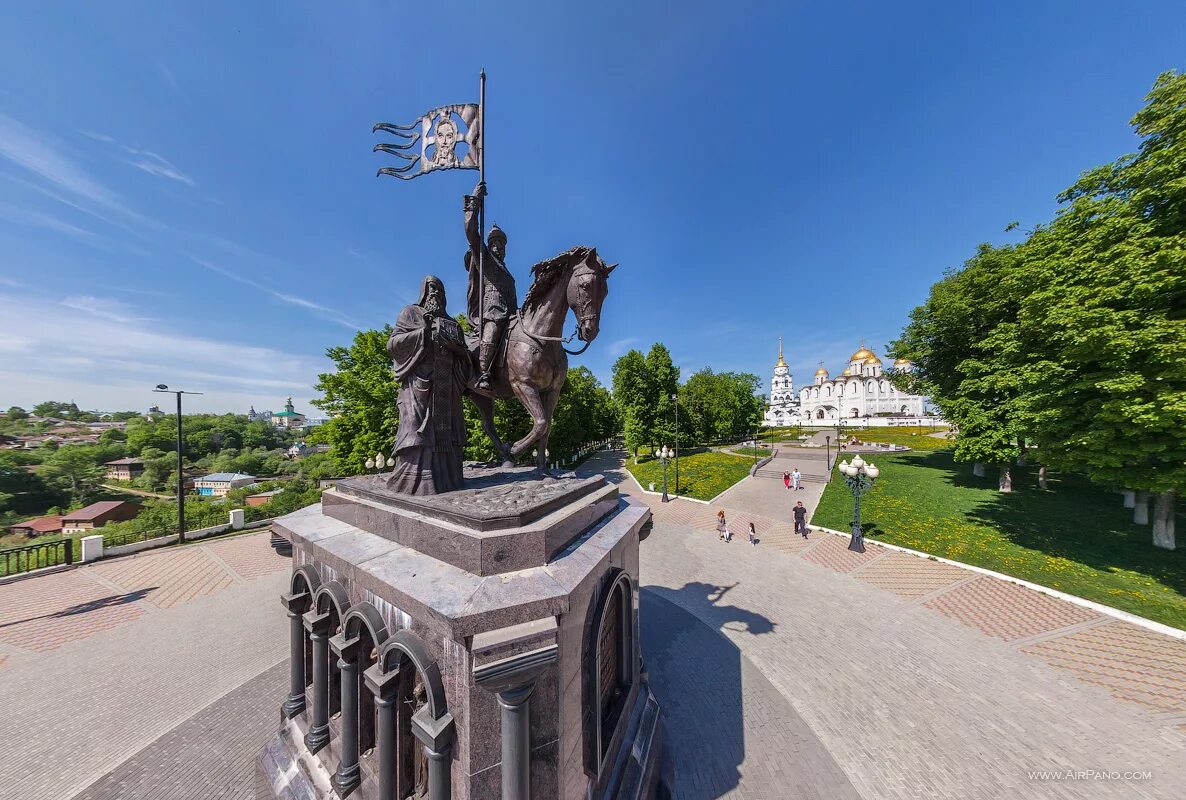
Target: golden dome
847	371
861	354
781	362
822	371
903	362
872	359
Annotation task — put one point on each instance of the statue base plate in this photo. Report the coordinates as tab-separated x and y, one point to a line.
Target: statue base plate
505	519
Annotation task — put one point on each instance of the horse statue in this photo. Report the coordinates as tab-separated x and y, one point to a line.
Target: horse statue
534	367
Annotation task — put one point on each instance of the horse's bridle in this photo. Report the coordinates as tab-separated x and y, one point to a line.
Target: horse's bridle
585	314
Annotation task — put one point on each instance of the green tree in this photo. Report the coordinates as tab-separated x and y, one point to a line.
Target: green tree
75	471
359	397
959	343
663	386
632	395
1104	316
17	413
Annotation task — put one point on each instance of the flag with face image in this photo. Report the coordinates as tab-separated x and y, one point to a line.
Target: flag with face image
448	137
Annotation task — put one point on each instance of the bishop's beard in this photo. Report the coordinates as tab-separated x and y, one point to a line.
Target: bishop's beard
432	307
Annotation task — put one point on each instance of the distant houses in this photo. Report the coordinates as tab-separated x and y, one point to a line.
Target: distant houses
261	498
123	469
218	484
96	515
37	527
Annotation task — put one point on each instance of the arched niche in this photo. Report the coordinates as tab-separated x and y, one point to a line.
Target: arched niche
364	622
303	587
404	654
331	599
608	666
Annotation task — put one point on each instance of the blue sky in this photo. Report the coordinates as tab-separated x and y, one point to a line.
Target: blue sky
188	192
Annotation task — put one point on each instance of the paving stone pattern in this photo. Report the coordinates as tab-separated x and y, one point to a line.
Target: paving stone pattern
1136	664
729	731
1008	611
1133	663
908	703
210	756
908	575
87	692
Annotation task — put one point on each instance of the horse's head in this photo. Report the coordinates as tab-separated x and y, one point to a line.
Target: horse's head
587	288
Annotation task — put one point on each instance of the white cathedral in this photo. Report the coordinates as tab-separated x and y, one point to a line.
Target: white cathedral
861	391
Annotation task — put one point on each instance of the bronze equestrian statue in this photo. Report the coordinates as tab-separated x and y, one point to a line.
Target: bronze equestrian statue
521	355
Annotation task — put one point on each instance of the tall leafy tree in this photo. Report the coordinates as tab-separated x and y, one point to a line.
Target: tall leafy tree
1104	316
958	342
359	398
632	395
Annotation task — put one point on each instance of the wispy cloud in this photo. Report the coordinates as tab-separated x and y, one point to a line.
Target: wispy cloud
15	284
167	76
143	159
103	307
325	312
621	346
24	216
30	150
124	355
154	164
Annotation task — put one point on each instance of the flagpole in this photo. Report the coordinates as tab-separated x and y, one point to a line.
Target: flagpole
481	206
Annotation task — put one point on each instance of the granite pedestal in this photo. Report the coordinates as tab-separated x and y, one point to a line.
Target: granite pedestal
514	602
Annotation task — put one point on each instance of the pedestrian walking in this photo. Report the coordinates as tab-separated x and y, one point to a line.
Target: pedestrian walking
752	535
786	479
723	529
800	519
796	476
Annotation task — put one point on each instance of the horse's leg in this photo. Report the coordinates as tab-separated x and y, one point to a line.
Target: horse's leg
485	406
529	396
549	400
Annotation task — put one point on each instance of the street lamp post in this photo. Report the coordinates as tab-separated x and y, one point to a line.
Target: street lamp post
675	399
163	389
828	451
664	453
859	477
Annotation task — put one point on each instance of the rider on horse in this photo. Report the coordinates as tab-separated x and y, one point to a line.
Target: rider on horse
489	306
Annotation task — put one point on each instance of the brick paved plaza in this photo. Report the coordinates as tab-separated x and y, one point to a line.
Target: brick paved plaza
794	669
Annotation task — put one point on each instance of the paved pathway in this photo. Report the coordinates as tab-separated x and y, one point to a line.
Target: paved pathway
792	669
990	679
102	660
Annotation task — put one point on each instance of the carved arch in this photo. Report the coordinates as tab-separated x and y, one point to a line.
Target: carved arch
331	599
305	579
616	583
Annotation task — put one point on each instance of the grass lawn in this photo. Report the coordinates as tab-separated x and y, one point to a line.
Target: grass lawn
760	452
914	438
1074	537
702	475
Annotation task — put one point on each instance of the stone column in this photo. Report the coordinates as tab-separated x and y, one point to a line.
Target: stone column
437	737
347	776
295	703
318	627
513	680
385	687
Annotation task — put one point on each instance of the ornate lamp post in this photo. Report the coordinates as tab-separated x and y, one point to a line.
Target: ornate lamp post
859	477
378	462
664	453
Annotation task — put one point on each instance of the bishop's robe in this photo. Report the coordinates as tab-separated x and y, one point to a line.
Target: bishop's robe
433	367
